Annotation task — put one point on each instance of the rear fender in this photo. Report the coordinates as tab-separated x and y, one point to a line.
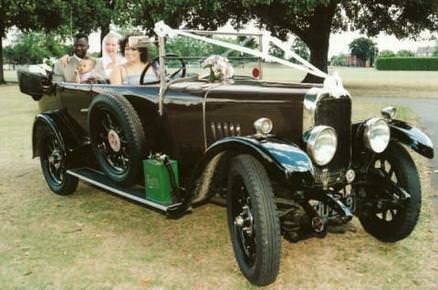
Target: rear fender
42	121
285	162
76	151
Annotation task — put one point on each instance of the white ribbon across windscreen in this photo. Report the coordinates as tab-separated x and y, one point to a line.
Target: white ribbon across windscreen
333	83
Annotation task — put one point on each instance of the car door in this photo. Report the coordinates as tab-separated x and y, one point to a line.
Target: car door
75	99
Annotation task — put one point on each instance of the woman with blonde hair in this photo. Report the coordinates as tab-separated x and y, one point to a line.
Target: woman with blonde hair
111	58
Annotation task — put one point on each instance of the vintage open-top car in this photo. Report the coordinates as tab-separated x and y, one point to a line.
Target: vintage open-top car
285	156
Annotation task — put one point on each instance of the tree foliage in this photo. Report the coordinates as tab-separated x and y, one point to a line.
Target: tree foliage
405	53
339	60
87	16
363	48
29	15
66	17
33	48
386	53
300	48
189	48
275	51
311	20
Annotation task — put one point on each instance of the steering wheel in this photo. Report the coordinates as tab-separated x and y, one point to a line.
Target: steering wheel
156	64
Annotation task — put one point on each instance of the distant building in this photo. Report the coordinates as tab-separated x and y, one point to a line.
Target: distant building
426	51
353	60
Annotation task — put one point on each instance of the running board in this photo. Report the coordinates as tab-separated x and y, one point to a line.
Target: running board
137	193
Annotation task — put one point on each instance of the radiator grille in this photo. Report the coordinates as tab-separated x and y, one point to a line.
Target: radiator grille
337	114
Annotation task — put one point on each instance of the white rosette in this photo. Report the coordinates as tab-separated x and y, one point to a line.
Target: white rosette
163	30
219	66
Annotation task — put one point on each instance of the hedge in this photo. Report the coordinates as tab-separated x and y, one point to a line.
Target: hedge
407	63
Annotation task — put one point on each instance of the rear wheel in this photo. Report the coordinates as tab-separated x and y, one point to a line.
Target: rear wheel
391	223
117	138
253	221
52	159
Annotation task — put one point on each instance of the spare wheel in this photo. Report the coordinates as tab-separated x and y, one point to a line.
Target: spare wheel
117	138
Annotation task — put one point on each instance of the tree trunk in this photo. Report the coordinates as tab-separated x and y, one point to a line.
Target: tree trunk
317	38
319	58
104	30
2	76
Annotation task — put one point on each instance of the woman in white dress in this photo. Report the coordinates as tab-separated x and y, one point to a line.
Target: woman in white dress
110	59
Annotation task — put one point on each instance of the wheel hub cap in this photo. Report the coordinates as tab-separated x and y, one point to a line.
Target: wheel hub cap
55	159
245	220
114	140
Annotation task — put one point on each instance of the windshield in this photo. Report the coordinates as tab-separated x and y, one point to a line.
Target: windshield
246	66
193	52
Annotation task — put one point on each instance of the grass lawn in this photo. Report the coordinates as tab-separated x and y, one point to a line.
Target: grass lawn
362	81
94	240
371	82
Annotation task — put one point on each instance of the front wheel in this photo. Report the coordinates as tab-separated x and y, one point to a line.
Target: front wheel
391	222
253	222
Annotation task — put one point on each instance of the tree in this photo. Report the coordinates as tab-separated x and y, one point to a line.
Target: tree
435	53
364	49
87	16
339	60
33	48
275	51
28	15
66	17
312	21
405	53
386	53
300	48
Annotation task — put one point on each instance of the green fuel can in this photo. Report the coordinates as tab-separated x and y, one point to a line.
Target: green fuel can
158	186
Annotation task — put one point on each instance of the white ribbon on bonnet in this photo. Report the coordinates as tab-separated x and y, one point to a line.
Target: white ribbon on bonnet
332	83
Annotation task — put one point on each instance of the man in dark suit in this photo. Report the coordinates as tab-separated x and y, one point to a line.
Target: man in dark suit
65	72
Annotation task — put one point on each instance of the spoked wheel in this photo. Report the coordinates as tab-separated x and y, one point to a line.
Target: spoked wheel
397	194
243	222
112	142
52	158
117	138
253	221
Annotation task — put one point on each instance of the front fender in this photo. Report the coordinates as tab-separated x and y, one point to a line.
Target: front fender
411	136
285	162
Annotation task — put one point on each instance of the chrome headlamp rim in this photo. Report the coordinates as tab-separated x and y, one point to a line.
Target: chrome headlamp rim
312	139
263	126
372	125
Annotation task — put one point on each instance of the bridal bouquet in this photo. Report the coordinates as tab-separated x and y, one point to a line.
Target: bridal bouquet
220	68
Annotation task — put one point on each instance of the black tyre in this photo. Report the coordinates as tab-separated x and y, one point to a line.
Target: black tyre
390	224
52	159
117	138
253	221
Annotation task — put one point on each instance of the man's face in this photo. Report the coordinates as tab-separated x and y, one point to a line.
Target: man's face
80	47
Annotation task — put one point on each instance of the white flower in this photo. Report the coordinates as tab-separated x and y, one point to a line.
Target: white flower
219	66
